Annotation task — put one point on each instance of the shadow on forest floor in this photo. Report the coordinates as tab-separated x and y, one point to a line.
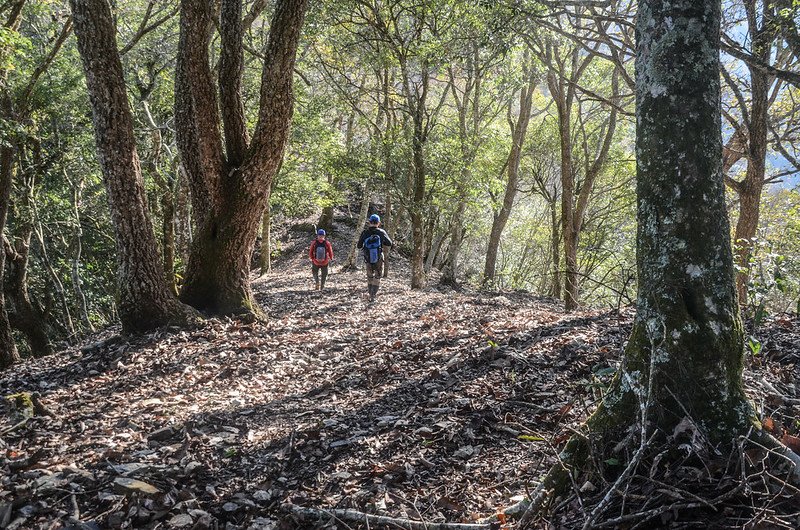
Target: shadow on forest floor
433	404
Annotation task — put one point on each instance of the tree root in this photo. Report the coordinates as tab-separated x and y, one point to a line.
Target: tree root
756	478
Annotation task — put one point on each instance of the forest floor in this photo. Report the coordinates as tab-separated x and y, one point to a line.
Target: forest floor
432	405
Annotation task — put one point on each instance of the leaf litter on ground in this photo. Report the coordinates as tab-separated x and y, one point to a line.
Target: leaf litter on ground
435	405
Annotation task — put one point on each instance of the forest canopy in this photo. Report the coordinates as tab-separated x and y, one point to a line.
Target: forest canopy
495	139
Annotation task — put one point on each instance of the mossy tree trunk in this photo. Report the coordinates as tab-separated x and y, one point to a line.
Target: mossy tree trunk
229	176
687	325
8	349
144	299
685	354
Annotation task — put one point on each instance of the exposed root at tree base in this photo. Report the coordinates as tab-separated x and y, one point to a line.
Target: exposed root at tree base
681	482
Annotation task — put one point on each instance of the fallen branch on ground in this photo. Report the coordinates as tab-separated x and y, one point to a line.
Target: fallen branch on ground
354	516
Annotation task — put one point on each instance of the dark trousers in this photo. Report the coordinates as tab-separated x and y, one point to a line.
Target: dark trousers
316	269
374	273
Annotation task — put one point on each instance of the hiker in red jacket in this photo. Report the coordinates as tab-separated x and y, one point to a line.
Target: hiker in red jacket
321	254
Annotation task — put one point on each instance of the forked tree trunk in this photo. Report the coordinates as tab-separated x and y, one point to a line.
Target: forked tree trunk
450	270
144	300
685	355
228	186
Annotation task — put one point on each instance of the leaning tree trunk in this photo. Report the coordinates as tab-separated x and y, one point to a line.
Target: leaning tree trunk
144	299
228	186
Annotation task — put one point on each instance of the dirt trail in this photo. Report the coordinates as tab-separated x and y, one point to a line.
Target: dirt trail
431	405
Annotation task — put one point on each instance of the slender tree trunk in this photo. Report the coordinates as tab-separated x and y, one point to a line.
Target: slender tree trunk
555	242
55	277
449	273
389	225
352	255
751	187
229	186
266	241
168	239
77	250
145	301
518	133
417	210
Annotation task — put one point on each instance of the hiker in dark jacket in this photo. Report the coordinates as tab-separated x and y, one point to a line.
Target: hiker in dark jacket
372	240
320	253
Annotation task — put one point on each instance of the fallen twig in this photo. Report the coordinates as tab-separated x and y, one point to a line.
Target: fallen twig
354	516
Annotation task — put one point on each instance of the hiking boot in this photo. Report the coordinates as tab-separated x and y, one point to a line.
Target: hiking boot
317	287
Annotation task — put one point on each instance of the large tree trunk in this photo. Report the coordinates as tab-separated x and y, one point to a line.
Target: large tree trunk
518	132
144	298
687	326
8	349
229	187
684	359
28	318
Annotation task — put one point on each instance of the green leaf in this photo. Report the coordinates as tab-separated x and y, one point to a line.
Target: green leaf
754	345
529	438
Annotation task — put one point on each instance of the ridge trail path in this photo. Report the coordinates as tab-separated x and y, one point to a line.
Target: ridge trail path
429	405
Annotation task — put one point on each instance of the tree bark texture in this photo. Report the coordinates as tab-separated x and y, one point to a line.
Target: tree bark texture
265	257
518	132
8	349
687	327
24	315
229	186
144	299
750	189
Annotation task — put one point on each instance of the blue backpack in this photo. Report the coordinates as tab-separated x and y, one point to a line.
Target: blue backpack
372	249
320	251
